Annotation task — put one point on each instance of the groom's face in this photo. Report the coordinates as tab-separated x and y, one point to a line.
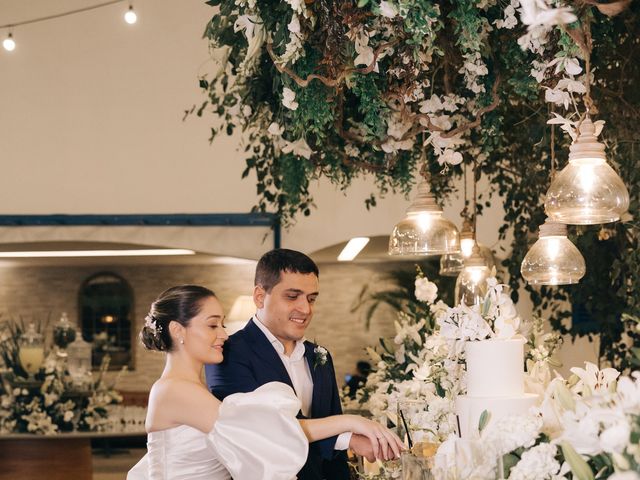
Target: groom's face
288	308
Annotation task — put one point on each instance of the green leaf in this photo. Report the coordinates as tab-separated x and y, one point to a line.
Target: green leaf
579	466
485	416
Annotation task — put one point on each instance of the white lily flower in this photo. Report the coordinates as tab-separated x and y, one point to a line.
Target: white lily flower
593	380
254	31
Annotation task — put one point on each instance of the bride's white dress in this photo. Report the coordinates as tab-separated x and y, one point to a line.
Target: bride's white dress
256	437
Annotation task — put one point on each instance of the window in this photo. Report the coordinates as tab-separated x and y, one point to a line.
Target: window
106	309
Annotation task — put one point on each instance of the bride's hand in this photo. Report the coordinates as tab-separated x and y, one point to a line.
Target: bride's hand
385	443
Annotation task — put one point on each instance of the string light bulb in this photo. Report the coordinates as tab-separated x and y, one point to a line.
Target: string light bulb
553	259
9	43
587	191
424	230
130	16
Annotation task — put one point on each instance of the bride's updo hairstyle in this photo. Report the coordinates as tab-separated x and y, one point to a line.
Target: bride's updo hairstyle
179	304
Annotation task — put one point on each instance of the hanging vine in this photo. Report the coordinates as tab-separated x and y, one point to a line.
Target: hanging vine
346	88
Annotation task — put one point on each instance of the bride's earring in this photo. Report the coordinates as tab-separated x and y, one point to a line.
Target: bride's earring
182	341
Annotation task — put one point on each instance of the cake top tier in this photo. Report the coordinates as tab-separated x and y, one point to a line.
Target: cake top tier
495	367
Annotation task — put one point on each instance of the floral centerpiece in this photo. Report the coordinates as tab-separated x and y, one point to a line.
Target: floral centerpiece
50	402
425	361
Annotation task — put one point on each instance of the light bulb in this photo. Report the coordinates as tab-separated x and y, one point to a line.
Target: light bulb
424	230
452	264
9	43
587	191
130	17
466	246
553	259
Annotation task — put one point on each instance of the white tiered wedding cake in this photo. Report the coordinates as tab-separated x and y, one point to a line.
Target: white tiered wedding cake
495	382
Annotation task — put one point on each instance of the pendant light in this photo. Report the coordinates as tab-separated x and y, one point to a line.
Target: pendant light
587	191
424	230
553	259
471	285
453	263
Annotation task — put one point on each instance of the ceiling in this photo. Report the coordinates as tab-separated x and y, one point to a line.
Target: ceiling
375	251
197	259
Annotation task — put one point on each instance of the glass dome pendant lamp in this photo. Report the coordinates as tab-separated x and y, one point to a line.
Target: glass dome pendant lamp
471	285
553	259
452	264
587	191
424	230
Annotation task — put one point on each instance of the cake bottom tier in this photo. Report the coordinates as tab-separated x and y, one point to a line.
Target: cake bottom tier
469	409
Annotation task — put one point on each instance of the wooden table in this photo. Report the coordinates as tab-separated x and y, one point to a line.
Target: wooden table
63	456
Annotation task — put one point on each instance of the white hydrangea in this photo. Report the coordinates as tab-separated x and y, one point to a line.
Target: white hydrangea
538	463
508	433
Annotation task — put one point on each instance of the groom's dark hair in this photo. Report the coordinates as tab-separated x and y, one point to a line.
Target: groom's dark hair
274	262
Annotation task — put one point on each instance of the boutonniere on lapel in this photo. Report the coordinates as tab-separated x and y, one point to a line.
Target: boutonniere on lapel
320	356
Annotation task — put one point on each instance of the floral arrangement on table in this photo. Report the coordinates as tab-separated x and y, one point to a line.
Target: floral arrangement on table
49	402
588	423
350	88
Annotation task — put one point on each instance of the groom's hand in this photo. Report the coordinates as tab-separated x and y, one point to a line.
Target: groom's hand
361	445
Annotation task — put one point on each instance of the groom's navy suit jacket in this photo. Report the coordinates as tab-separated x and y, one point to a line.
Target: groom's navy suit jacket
251	361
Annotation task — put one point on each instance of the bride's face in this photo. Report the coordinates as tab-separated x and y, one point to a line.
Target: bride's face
205	334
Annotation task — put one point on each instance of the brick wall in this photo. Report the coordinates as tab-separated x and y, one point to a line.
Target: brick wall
40	291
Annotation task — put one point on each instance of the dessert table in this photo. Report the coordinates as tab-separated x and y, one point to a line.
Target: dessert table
62	456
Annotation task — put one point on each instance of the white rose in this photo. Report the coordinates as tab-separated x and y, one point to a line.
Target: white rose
426	291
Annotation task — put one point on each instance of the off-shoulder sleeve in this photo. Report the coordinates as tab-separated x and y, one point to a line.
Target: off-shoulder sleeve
257	435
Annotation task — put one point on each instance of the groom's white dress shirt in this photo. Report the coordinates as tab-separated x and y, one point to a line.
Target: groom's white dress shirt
298	370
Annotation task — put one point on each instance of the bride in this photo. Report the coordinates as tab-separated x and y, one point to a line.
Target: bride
249	436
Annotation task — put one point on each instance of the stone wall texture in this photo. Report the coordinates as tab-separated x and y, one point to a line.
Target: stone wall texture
32	292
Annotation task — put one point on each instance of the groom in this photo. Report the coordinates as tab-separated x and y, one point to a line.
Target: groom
272	348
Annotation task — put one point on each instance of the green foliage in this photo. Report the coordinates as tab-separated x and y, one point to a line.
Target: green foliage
367	118
400	295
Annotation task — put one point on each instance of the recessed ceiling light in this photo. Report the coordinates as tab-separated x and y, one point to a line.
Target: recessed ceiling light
352	249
